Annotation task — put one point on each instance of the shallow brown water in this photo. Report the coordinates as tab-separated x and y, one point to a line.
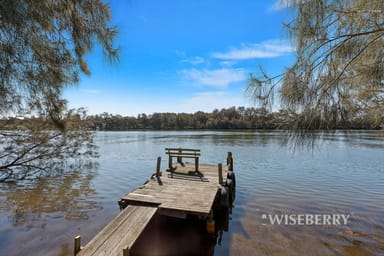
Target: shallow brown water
344	175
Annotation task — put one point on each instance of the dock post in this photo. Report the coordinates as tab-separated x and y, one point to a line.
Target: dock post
220	166
77	245
170	163
179	158
196	164
230	162
210	225
158	166
126	251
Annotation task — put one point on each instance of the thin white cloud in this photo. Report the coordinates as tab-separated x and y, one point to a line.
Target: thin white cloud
279	5
208	101
180	54
194	60
266	49
215	78
227	63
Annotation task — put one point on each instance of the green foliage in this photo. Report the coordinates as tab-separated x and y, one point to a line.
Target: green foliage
43	45
42	48
338	74
226	118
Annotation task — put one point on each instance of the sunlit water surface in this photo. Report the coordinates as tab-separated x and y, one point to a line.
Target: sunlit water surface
343	174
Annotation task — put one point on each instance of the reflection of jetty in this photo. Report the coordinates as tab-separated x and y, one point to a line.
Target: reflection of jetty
184	190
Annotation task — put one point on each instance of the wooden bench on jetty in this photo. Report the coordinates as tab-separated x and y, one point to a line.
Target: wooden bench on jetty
181	190
181	153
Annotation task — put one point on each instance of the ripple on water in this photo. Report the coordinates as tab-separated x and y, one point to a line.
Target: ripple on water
343	175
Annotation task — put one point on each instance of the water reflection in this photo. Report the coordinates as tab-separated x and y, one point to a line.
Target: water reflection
261	238
38	213
172	236
65	196
344	174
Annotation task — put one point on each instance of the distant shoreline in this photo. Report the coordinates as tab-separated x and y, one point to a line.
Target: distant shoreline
233	118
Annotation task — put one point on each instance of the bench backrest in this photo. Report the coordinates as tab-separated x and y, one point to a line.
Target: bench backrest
183	152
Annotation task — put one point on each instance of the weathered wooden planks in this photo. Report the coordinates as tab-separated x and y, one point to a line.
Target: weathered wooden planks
120	233
185	191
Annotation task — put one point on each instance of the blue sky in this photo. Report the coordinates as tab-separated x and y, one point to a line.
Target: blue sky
184	56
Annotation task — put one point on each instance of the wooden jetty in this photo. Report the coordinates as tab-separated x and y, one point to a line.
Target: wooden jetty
182	189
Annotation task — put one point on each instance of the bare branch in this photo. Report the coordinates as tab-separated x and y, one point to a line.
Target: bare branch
339	71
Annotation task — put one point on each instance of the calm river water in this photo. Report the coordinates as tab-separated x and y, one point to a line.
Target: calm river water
344	174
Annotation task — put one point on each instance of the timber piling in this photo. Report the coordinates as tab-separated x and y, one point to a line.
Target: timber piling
182	190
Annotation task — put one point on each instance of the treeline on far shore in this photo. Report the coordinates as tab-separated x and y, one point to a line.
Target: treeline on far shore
226	118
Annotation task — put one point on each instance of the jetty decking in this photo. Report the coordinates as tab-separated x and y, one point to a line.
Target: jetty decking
180	192
183	189
120	234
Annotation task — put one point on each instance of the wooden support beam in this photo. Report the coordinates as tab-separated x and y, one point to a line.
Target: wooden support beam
170	163
158	166
126	251
77	245
230	162
179	158
220	166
